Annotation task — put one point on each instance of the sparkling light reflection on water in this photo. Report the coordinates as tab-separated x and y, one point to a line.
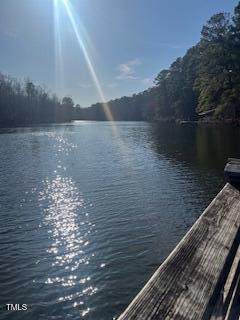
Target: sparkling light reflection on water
69	238
67	220
83	225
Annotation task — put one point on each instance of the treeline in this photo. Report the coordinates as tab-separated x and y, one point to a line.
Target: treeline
205	81
135	108
23	103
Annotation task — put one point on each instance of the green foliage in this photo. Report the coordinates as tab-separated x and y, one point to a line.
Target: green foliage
138	107
208	76
176	95
206	79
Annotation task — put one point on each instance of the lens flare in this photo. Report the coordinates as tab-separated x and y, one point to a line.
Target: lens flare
58	49
89	63
83	42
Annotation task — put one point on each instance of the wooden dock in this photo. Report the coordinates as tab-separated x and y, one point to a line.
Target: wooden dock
200	279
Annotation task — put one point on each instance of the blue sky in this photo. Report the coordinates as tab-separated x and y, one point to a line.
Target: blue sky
127	42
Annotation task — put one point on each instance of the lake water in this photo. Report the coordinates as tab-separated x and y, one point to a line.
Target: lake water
89	210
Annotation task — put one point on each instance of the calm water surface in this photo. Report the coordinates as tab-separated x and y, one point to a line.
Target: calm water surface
89	210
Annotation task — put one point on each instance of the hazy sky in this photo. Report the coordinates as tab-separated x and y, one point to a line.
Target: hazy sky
126	42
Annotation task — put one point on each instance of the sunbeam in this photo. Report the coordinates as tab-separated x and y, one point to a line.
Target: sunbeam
89	63
58	49
76	24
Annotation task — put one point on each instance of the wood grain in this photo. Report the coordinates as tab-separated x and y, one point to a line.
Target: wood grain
188	283
232	172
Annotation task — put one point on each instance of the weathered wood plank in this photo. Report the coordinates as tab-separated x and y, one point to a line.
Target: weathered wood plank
225	301
188	283
232	172
233	160
233	312
232	278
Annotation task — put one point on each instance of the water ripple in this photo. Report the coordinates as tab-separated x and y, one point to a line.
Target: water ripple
61	202
84	225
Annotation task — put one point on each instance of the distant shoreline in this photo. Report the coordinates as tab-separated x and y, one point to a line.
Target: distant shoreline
204	122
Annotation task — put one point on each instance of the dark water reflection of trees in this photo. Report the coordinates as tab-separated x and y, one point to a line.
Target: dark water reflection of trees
197	146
